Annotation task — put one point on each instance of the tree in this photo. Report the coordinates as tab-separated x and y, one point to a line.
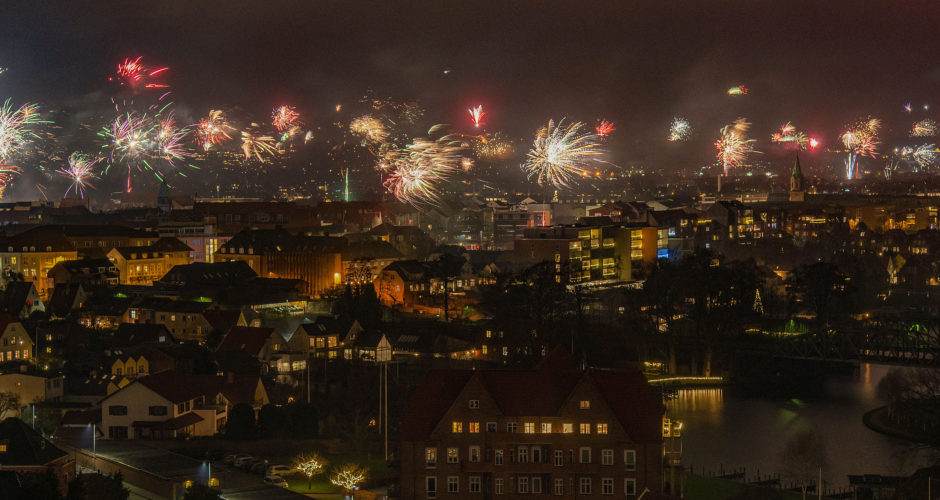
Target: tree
303	420
823	288
272	421
804	457
98	487
309	465
199	491
912	397
348	477
241	421
9	402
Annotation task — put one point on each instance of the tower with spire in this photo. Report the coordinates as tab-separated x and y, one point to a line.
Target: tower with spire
163	197
797	189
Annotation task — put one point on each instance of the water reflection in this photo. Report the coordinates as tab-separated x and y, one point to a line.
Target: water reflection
726	430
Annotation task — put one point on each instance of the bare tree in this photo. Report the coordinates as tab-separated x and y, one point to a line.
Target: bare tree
804	457
9	402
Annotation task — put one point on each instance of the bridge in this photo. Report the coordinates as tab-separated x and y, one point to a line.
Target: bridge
912	343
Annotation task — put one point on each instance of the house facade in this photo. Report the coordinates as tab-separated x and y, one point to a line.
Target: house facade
587	434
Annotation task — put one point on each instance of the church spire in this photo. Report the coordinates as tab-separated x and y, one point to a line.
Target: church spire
796	181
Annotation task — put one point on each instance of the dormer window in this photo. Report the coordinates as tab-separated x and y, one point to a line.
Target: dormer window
48	248
475	404
585	404
32	249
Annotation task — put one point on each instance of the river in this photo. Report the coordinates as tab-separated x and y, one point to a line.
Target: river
722	428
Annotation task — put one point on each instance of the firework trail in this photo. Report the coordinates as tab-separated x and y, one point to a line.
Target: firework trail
80	171
213	130
679	130
560	153
418	171
739	90
789	134
134	75
284	117
476	115
15	127
733	146
924	128
255	144
604	128
170	142
860	140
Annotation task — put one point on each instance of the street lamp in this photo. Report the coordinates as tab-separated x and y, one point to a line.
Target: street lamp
94	448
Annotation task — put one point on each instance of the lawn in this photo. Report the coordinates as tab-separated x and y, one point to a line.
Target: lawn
707	488
378	472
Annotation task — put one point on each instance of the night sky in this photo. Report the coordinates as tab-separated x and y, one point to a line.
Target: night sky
818	64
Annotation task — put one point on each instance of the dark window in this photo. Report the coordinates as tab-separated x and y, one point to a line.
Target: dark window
117	410
117	432
158	411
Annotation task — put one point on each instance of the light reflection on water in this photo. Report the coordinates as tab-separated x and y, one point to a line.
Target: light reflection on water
723	429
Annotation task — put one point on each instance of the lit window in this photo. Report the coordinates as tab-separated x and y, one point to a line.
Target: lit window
529	428
602	428
546	428
567	428
430	457
453	455
457	427
585	404
585	428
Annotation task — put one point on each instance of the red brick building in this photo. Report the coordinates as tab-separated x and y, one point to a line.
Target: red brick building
516	433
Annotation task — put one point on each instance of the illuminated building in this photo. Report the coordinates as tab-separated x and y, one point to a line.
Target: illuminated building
486	433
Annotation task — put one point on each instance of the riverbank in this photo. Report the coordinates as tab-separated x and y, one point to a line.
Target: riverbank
878	421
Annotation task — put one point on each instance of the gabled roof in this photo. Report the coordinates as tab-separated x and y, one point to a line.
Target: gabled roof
329	325
172	385
245	338
16	295
222	319
202	274
168	244
5	320
25	446
627	394
129	334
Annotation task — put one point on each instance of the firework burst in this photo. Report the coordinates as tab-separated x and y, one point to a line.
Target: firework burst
560	153
679	130
604	128
213	130
132	73
255	144
789	134
418	171
860	139
7	174
924	128
733	146
284	117
476	115
739	90
16	127
371	129
493	147
80	172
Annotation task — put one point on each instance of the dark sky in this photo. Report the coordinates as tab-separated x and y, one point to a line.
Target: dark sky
820	64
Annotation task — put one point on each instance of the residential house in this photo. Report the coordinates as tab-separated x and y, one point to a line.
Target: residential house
21	299
146	264
170	404
15	344
26	452
327	334
32	386
90	272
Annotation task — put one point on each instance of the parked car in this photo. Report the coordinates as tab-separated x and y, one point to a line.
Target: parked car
275	480
278	470
259	467
243	460
230	458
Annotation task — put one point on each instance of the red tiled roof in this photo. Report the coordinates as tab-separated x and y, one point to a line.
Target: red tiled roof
430	401
245	338
174	386
542	391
